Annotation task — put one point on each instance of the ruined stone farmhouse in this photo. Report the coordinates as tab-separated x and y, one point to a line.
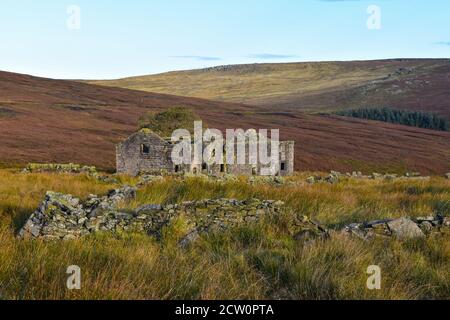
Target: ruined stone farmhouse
146	152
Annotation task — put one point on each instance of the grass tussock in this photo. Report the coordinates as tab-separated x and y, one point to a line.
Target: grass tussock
255	262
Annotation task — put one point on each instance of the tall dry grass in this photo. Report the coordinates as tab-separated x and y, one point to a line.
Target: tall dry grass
254	262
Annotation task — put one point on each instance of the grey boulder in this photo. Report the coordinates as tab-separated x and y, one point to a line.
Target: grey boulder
405	228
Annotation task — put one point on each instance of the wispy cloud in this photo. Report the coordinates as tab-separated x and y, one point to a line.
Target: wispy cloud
443	43
269	56
200	58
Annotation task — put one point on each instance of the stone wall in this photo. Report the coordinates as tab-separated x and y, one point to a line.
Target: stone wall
132	159
335	177
59	168
402	228
66	217
62	216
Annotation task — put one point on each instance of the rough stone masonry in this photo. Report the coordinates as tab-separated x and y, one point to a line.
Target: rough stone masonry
64	217
146	152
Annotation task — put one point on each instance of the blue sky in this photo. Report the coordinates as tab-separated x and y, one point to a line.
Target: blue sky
135	37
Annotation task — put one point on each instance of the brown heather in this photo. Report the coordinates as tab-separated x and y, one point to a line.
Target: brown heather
42	121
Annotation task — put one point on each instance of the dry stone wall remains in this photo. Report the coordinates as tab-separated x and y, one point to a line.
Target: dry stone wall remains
65	217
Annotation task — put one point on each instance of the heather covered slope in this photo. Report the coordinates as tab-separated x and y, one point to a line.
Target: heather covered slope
413	84
43	120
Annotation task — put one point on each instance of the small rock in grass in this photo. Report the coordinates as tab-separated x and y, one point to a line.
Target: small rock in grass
405	228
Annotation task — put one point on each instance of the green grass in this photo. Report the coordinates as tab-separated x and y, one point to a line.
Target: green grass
253	262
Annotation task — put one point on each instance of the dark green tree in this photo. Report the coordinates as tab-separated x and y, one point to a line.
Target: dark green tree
404	117
166	122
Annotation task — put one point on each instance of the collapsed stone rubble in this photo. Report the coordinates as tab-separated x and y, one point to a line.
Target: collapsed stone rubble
402	228
69	168
65	217
335	177
59	168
